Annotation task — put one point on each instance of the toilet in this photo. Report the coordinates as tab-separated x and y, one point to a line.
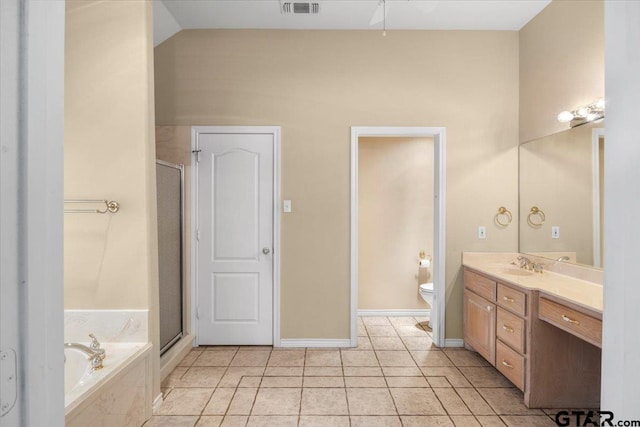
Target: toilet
426	292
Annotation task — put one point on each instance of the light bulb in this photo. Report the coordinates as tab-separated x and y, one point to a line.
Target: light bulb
600	104
583	111
565	116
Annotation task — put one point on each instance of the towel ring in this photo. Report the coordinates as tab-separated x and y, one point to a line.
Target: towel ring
502	211
535	211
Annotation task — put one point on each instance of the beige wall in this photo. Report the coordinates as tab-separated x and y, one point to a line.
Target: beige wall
561	64
316	85
556	174
111	260
395	220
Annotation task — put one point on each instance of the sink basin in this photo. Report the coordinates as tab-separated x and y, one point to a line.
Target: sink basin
515	271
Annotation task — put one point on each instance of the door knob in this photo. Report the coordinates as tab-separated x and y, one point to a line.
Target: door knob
266	251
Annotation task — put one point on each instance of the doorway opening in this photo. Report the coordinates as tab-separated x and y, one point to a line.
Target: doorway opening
433	205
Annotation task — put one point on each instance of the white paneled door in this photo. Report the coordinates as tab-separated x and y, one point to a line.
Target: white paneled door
235	238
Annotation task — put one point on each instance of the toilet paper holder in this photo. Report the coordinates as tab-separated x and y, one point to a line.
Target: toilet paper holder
423	255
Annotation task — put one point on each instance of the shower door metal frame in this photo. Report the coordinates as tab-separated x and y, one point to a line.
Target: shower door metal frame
183	302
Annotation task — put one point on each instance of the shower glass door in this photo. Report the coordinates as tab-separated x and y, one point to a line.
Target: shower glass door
170	190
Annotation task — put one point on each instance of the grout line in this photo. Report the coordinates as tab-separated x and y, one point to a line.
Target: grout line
218	386
304	366
395	406
442	404
253	403
218	383
483	399
344	380
462	400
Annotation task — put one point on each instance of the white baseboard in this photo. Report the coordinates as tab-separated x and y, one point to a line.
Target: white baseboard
315	343
157	403
454	342
398	312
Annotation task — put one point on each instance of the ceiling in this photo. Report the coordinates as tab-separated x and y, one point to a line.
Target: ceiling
171	16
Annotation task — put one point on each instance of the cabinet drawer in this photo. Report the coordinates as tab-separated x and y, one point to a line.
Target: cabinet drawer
511	330
579	324
511	299
480	285
510	364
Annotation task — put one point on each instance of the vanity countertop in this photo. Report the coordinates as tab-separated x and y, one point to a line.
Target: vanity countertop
579	291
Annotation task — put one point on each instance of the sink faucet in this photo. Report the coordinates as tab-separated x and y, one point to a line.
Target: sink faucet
95	353
527	264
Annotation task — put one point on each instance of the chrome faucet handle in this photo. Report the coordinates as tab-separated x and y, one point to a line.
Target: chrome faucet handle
537	268
524	262
95	344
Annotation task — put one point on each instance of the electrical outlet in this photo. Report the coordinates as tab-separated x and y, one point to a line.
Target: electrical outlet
286	205
555	232
482	232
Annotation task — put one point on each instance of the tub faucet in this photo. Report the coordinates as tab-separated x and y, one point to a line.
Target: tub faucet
95	353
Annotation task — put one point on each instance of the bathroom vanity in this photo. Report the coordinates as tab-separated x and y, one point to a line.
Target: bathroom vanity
542	331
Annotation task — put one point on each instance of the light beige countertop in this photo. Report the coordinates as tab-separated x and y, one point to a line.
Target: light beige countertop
580	291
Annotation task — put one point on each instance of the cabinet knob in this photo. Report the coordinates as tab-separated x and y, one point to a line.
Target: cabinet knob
489	308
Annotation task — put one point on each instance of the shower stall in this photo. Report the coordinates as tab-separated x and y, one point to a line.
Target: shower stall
170	195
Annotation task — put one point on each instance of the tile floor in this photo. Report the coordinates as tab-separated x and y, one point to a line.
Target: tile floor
395	377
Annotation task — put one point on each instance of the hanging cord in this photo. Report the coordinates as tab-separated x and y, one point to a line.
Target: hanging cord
104	252
384	18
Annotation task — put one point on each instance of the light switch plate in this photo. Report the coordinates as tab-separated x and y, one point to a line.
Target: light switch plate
482	232
555	232
286	206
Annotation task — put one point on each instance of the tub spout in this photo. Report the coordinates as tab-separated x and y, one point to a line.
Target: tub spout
95	354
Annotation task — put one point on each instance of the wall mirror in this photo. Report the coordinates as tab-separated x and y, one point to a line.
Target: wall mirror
561	195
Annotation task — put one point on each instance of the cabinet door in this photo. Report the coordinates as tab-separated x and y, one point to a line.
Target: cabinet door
480	325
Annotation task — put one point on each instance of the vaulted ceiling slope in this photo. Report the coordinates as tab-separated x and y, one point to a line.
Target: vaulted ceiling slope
171	16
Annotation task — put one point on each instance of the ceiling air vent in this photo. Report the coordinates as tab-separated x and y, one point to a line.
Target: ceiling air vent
303	7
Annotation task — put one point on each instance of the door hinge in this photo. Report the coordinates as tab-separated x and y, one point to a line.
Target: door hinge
197	153
198	312
198	235
8	381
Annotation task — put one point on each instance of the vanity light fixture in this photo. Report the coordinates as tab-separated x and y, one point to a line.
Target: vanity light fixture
584	114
